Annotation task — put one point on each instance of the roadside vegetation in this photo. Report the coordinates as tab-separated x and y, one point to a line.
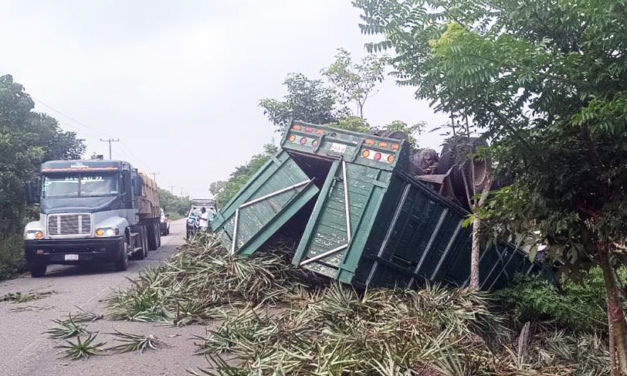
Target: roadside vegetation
26	139
276	319
174	206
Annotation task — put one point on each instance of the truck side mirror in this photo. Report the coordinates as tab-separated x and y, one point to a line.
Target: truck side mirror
33	191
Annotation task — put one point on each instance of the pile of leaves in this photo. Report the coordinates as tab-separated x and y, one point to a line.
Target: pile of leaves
434	331
202	282
272	321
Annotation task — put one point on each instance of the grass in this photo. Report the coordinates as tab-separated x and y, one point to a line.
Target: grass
278	320
19	297
201	281
81	348
134	342
66	329
11	256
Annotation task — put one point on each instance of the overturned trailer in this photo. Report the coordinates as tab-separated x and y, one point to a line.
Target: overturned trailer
361	217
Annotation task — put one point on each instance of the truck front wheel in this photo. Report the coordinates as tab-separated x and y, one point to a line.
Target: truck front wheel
121	263
38	269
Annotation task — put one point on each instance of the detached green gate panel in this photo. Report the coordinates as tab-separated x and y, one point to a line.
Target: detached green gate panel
331	244
274	195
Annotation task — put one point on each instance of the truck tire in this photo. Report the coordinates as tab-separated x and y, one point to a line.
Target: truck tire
38	269
121	263
153	235
143	235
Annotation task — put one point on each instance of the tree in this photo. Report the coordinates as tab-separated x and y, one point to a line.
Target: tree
26	139
243	173
355	82
409	130
306	100
173	205
351	123
547	84
216	187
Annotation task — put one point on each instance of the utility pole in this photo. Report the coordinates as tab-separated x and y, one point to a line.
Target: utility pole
110	140
172	189
154	176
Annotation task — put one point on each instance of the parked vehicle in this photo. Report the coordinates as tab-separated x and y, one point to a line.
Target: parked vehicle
164	224
364	218
91	211
192	223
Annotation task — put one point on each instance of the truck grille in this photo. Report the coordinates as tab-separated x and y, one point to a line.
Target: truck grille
69	224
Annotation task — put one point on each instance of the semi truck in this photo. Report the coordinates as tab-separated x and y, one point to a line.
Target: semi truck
91	211
360	216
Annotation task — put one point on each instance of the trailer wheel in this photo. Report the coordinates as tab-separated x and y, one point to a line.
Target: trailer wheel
121	263
143	233
153	234
38	269
158	234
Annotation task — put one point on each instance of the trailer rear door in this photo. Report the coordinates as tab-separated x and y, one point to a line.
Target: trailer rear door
273	196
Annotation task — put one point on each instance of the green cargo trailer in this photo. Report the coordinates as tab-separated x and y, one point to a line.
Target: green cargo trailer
363	220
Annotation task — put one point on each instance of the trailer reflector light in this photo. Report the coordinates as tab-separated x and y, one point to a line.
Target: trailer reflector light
308	129
369	142
99	232
319	131
303	140
365	153
383	144
292	138
377	156
314	143
394	146
391	158
296	127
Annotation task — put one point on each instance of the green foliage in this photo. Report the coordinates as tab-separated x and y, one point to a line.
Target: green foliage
355	82
351	123
175	206
578	306
82	348
11	255
410	130
306	100
203	281
139	343
19	297
66	329
546	82
26	139
242	174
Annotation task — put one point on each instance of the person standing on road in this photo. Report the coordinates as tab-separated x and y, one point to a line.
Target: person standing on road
203	219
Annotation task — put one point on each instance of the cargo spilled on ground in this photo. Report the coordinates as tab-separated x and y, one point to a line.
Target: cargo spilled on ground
275	319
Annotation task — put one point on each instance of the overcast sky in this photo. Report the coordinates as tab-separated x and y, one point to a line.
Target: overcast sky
179	82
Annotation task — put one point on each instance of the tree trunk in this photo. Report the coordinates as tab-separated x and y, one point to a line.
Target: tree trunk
616	316
613	370
475	282
474	254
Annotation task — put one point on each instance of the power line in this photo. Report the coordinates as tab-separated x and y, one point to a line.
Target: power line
87	127
110	140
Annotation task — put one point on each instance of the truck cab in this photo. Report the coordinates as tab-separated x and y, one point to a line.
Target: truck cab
91	211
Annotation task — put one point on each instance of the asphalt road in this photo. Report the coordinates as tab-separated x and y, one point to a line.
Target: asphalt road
26	350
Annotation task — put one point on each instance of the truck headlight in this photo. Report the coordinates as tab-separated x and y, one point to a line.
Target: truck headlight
107	231
33	234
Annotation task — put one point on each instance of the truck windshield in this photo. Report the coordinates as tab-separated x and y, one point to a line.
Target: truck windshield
83	185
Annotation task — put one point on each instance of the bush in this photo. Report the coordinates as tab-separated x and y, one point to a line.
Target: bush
580	306
11	256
